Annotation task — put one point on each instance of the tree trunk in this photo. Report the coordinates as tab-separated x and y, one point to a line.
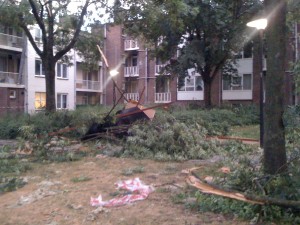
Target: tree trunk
274	137
207	93
49	66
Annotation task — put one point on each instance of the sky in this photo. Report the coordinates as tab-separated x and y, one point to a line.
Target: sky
75	3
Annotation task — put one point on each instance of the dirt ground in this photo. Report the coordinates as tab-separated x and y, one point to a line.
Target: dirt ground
59	193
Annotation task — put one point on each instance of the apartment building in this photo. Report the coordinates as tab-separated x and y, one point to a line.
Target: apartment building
12	88
36	84
140	76
22	77
89	84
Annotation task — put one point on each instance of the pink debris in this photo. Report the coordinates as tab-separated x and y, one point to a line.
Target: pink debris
134	185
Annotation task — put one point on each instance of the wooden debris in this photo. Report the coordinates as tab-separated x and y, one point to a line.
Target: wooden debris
209	189
196	182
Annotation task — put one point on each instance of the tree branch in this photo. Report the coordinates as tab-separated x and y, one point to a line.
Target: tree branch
62	52
28	34
196	182
39	19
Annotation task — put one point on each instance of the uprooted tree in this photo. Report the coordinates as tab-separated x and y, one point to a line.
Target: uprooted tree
206	33
60	30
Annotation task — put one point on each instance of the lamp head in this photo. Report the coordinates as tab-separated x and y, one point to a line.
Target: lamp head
259	24
113	73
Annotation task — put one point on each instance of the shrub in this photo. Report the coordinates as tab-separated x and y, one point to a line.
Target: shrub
9	126
165	138
217	121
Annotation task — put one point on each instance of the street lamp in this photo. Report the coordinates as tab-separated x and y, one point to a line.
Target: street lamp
260	25
113	73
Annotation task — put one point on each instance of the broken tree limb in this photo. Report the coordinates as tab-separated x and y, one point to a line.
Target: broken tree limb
204	187
209	189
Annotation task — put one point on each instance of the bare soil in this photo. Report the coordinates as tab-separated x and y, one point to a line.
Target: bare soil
53	197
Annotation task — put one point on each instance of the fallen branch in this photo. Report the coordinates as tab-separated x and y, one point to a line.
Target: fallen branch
204	187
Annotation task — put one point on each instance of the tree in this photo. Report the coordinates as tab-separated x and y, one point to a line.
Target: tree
207	33
60	30
274	138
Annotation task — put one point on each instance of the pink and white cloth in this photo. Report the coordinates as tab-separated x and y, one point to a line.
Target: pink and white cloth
139	191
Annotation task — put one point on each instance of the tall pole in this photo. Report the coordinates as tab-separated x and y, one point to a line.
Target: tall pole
261	90
260	25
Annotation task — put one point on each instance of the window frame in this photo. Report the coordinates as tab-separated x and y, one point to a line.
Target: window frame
234	87
60	71
60	104
192	87
40	100
41	69
38	35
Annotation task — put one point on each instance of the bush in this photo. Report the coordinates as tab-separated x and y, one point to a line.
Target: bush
42	123
217	121
9	126
165	138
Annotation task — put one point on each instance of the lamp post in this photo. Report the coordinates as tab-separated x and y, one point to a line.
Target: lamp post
112	74
260	25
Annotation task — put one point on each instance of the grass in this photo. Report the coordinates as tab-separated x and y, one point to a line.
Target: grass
250	131
134	170
80	179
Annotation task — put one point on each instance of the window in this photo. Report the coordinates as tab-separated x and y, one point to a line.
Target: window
39	70
6	30
3	63
162	84
241	82
40	100
61	101
192	83
12	93
131	85
248	50
3	29
246	53
62	70
132	60
38	35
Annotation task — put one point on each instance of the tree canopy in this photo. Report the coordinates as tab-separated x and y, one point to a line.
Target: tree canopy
206	33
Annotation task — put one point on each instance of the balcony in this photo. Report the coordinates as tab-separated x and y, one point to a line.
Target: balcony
88	85
131	45
159	70
131	71
132	96
9	78
10	41
163	97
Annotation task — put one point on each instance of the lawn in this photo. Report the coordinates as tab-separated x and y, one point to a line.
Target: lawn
250	131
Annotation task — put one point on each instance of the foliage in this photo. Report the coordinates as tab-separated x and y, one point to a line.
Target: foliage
246	175
41	124
10	168
10	184
165	138
218	121
87	50
9	126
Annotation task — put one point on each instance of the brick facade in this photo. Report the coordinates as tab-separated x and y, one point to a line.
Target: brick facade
11	100
114	50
